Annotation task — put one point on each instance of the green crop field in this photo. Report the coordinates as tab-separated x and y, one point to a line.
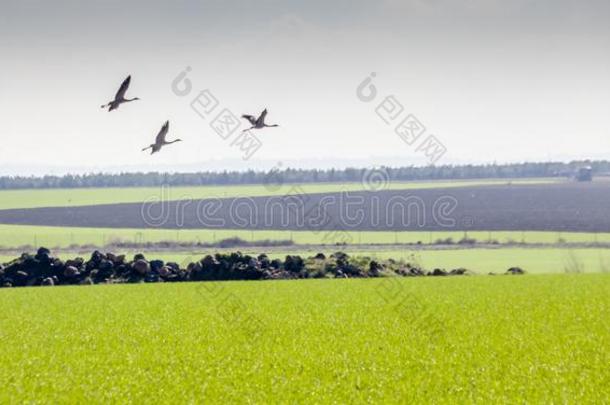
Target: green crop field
20	235
483	261
91	196
505	339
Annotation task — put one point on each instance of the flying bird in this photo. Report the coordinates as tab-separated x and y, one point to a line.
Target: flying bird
119	98
160	140
257	123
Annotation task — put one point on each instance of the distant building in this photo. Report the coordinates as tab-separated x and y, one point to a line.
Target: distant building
585	174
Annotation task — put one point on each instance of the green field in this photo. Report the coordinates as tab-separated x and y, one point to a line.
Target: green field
533	260
20	235
32	198
507	339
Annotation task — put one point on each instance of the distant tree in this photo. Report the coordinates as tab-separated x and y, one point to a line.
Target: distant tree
289	175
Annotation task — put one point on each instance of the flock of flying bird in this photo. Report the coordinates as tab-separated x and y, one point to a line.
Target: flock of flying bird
160	141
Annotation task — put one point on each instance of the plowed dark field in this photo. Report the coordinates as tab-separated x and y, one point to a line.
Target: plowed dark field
575	207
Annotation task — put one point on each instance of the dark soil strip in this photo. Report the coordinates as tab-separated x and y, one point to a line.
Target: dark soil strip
568	207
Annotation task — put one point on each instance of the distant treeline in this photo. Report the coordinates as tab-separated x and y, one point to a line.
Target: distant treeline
409	173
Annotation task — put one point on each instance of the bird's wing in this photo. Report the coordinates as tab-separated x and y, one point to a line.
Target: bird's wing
162	134
250	118
261	118
123	89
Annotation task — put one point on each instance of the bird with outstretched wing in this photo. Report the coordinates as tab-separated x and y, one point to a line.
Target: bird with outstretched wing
160	140
250	118
120	94
119	98
257	123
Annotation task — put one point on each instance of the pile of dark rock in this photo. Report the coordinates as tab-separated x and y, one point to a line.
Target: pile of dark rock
43	269
515	271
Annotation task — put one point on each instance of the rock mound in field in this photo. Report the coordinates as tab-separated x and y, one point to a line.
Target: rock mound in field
516	271
43	269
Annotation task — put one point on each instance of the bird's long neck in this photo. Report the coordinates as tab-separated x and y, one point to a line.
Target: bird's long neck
130	99
274	125
174	141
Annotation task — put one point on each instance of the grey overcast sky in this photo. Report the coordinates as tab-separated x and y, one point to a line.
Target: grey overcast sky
492	80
